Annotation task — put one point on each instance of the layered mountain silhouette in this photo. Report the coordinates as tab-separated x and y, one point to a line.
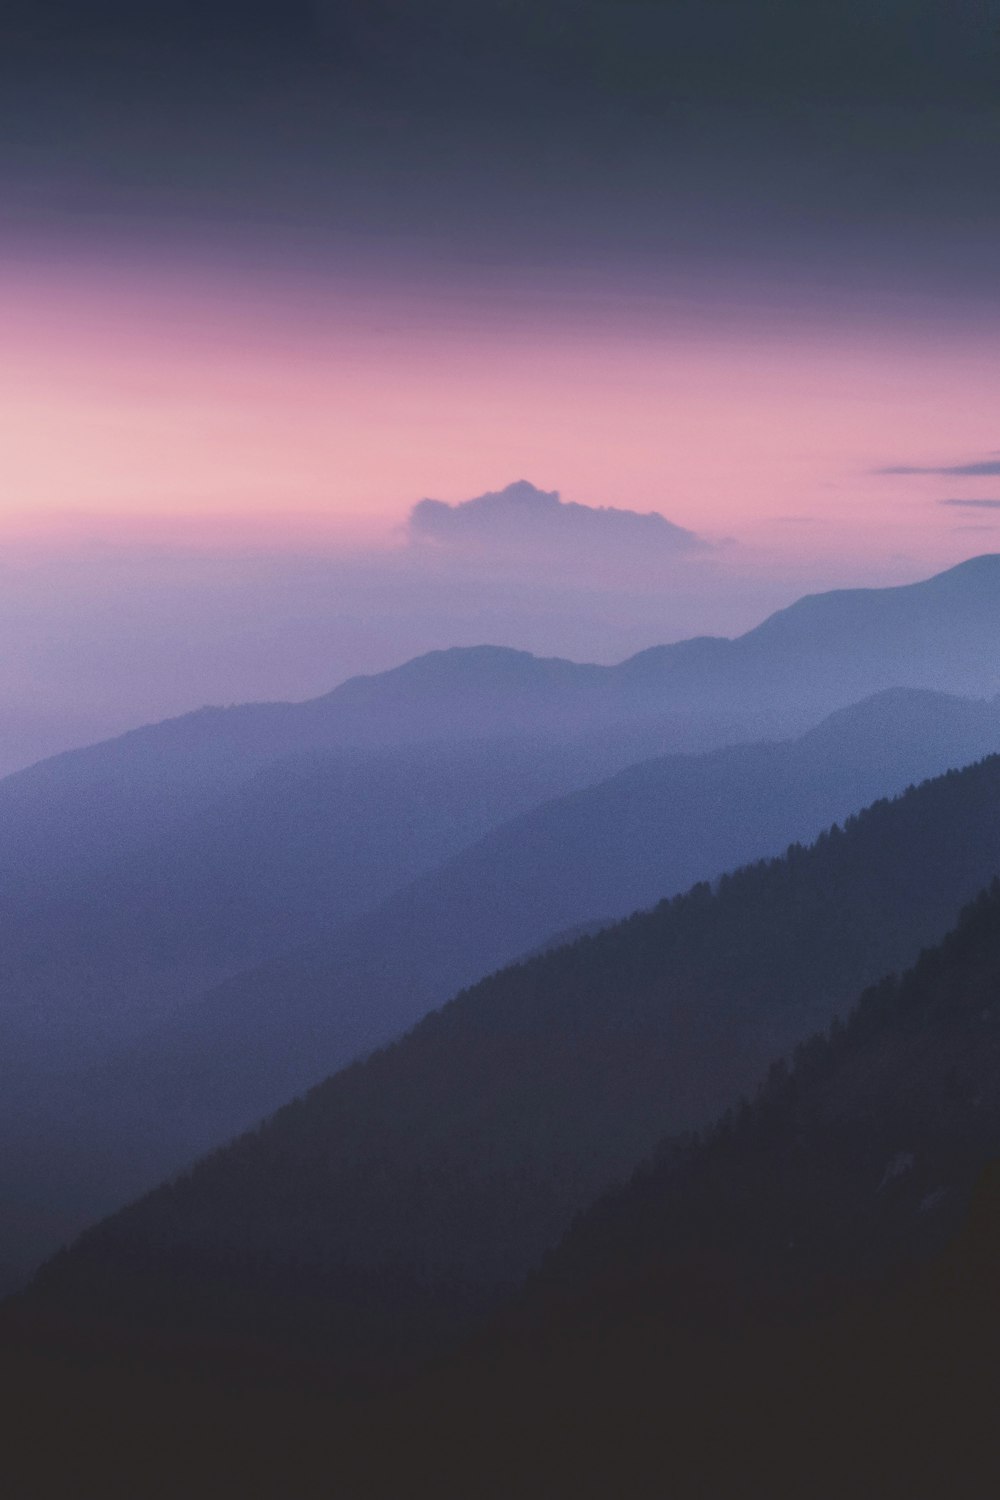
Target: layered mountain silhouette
99	947
138	874
381	1212
823	653
609	849
783	1298
83	1142
66	818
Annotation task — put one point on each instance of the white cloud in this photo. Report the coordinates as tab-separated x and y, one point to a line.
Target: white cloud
523	518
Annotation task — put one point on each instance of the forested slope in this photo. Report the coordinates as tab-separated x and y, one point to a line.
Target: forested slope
806	1297
379	1212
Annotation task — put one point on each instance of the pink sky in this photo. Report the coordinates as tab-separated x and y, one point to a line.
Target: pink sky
208	404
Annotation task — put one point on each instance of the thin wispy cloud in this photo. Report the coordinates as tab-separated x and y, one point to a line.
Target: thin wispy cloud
982	468
962	504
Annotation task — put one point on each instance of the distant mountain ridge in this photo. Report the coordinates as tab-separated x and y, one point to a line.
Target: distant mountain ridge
64	819
822	653
939	633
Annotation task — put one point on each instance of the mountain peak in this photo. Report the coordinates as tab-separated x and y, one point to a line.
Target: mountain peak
982	569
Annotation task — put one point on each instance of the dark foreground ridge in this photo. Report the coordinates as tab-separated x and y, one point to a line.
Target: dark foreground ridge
383	1213
307	842
805	1300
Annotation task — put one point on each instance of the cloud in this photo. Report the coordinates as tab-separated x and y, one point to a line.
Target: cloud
973	504
522	518
988	466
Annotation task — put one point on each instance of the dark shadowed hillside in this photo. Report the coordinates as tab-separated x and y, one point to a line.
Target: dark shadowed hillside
377	1213
857	1157
808	1297
805	1298
88	1142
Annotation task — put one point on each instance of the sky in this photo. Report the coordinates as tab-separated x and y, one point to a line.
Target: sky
272	274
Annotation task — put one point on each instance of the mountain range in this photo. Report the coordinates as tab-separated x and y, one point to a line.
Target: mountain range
204	917
559	1164
823	653
806	1289
415	1188
80	1141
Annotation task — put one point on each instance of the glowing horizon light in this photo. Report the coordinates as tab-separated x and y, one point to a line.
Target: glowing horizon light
177	402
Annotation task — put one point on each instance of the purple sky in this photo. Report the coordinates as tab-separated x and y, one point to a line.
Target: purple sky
272	274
